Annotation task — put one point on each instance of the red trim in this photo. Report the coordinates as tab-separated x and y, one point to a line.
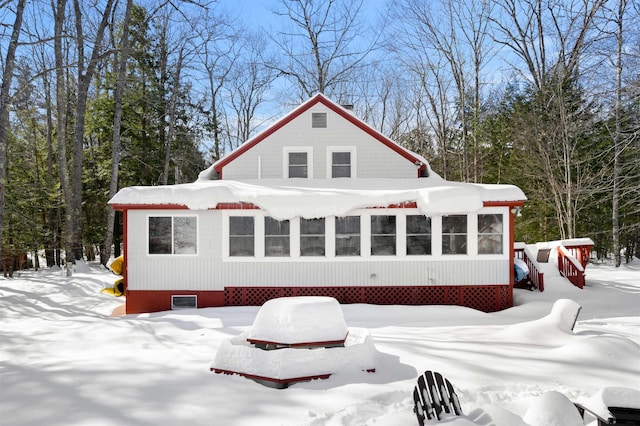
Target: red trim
125	248
512	252
271	379
518	203
123	207
298	345
319	98
236	206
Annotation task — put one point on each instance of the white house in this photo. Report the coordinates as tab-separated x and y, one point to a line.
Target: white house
318	204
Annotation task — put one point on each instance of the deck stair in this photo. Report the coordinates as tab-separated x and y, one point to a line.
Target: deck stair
567	258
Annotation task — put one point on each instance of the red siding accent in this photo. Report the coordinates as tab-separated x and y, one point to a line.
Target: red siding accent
319	98
142	301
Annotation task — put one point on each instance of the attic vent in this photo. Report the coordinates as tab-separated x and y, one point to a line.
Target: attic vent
318	120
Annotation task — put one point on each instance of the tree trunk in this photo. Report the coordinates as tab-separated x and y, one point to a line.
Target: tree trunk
615	201
117	123
61	128
4	107
172	118
84	77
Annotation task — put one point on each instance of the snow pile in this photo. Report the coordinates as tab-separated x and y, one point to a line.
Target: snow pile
553	409
555	329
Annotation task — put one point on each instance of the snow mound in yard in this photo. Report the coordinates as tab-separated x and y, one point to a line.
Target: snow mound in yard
553	409
555	329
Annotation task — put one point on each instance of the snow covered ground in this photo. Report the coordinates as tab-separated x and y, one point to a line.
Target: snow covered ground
65	360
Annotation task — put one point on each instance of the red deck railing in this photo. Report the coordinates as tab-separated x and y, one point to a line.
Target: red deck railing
570	267
535	276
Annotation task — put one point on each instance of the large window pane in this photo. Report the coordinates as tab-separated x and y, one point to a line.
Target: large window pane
383	235
312	237
454	234
348	236
341	164
298	165
418	235
276	237
160	235
241	236
490	233
173	235
185	235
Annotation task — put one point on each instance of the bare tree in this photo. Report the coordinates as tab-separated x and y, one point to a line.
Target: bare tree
448	41
324	46
248	84
532	29
5	89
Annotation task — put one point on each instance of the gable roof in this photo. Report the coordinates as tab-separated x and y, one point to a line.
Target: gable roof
338	109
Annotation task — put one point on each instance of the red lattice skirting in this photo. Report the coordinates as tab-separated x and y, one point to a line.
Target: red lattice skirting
488	298
484	298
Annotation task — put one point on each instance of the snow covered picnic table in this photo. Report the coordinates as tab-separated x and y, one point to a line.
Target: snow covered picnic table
296	339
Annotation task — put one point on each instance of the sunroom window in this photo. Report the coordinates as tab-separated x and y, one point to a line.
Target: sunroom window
454	234
312	237
276	237
173	234
241	236
348	236
383	235
418	235
490	231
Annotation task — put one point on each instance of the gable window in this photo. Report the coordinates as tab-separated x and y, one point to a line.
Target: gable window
312	237
184	302
173	234
318	120
383	235
418	235
490	232
348	236
298	165
241	236
276	237
454	234
341	164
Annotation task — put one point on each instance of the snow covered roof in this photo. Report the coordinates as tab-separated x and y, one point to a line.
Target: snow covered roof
314	198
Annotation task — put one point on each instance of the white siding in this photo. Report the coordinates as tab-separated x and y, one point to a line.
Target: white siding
211	270
265	159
